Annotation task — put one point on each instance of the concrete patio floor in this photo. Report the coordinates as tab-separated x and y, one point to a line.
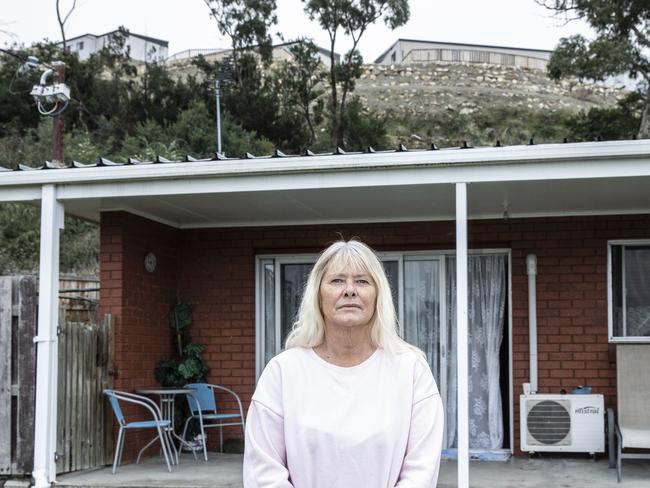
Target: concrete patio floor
224	471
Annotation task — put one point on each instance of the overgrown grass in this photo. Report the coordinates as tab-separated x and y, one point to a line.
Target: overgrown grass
510	126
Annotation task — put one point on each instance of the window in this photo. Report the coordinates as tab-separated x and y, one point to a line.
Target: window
629	291
80	46
478	57
508	59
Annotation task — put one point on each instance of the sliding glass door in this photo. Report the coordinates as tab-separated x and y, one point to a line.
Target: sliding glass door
423	287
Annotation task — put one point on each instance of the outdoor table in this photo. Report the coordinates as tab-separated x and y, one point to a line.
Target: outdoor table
167	396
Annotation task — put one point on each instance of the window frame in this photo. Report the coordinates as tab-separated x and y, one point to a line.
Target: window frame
610	297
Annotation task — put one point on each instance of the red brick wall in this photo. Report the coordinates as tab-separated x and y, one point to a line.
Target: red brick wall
218	277
139	301
572	330
216	273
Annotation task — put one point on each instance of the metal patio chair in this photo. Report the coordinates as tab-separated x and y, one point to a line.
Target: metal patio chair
163	427
203	407
633	398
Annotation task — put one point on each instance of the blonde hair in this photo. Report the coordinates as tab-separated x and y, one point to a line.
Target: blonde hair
309	328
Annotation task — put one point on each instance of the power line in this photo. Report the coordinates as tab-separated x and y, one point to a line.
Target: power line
12	54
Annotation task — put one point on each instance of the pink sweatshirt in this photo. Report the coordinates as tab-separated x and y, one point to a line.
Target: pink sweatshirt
312	424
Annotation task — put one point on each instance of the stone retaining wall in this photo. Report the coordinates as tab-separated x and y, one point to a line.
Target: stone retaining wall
423	89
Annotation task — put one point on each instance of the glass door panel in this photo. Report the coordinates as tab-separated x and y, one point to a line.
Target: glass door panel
293	277
392	273
637	291
422	309
268	297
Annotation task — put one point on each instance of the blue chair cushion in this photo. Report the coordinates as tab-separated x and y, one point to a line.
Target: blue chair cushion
147	423
217	416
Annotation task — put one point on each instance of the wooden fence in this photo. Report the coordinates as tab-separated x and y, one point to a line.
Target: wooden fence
18	317
85	352
84	423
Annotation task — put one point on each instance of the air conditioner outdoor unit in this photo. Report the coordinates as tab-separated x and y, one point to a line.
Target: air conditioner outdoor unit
569	423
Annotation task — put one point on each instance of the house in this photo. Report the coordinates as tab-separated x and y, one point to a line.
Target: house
406	51
141	48
281	52
458	230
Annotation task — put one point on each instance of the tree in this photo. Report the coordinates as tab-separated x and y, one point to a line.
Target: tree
364	127
17	111
609	123
253	105
247	24
63	19
352	17
621	46
256	103
298	83
19	234
159	96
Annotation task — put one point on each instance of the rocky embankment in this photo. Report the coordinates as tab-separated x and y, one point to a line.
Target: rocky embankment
467	88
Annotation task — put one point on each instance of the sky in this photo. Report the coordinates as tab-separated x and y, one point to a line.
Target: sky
186	24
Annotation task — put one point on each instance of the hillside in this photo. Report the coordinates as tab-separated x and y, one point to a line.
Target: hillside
447	103
433	102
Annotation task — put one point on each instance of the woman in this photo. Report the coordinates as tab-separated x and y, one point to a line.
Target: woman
348	404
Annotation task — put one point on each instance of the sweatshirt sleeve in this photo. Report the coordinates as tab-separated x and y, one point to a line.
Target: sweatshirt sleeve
422	459
265	456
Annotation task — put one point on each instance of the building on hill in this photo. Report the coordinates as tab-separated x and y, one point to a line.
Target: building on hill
281	52
141	48
412	51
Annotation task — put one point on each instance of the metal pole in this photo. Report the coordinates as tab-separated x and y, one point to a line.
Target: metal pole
58	126
217	86
462	334
46	341
531	271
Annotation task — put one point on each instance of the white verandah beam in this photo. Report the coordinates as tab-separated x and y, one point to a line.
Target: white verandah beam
462	335
46	341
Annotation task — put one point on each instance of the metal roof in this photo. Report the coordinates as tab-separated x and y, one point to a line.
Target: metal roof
160	159
459	44
222	157
590	178
145	38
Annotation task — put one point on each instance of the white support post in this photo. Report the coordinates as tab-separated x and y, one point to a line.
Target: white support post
462	312
52	215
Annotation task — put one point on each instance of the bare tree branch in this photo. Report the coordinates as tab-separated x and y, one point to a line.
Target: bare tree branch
642	38
561	10
64	20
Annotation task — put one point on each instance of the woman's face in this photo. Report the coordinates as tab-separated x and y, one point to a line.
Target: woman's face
348	297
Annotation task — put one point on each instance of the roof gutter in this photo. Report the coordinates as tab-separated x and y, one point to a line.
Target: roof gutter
270	166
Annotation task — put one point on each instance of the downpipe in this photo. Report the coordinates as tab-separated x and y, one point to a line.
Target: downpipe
531	271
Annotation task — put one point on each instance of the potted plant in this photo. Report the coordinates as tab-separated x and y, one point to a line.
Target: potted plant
188	365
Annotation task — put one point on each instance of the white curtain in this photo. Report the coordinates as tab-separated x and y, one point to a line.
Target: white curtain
422	309
487	304
637	290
